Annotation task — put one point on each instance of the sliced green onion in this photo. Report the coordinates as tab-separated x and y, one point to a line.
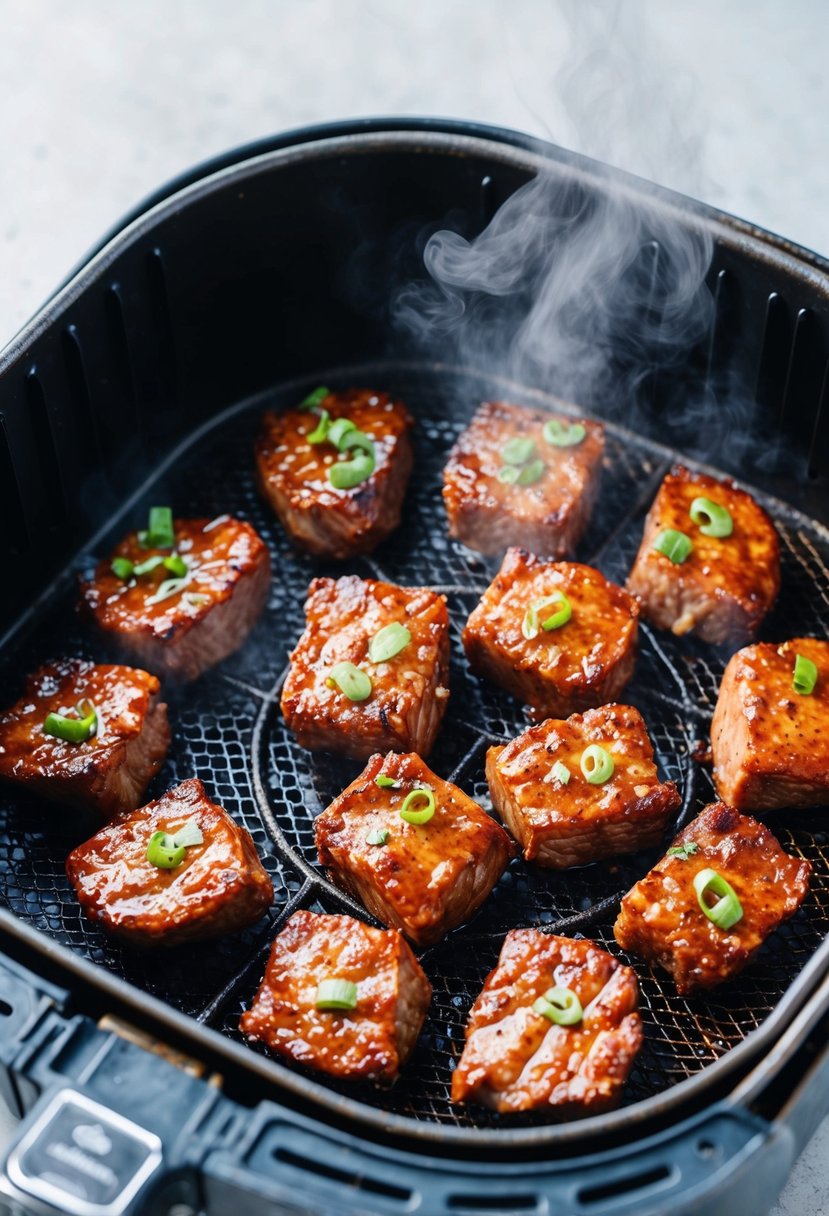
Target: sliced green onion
166	590
315	398
561	772
122	568
711	518
426	812
176	564
518	451
336	994
320	431
675	545
73	730
159	533
530	473
563	435
804	678
357	439
379	837
385	783
163	852
350	473
532	624
683	851
559	1005
597	764
351	680
338	430
152	563
188	835
388	642
509	474
728	909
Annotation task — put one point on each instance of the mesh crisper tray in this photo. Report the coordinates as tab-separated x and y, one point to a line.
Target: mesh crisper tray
227	729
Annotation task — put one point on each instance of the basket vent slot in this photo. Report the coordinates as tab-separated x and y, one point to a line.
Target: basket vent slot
724	327
160	306
119	344
51	480
11	504
643	1181
362	1182
819	454
79	395
804	379
5	1009
502	1204
774	356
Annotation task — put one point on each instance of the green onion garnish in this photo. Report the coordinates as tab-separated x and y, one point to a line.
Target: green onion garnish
711	518
336	994
559	1005
314	398
388	642
122	568
385	783
176	564
166	590
530	473
166	852
189	834
146	567
379	837
425	813
675	545
73	730
533	624
683	851
518	451
159	533
728	909
804	678
320	431
351	680
597	764
338	430
350	473
563	435
509	474
561	772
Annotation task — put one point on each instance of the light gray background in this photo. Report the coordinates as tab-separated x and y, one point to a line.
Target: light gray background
104	99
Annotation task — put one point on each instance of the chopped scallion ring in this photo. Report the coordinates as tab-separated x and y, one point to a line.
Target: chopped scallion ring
152	563
711	518
532	624
351	680
189	834
674	545
163	852
350	473
315	398
561	772
509	474
530	473
804	677
73	730
559	1005
385	783
167	589
518	451
418	816
336	994
122	568
683	851
597	764
176	564
338	430
388	642
563	435
159	533
728	909
320	431
381	836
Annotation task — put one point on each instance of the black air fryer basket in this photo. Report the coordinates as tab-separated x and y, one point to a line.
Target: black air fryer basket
142	380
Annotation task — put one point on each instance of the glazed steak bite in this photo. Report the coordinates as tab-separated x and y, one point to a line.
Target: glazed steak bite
557	635
555	1028
371	670
420	862
522	476
709	561
571	792
184	596
90	736
770	732
139	881
723	886
341	997
336	471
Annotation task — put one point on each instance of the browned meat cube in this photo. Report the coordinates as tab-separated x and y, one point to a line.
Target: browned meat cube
197	603
106	772
319	516
390	995
727	583
585	661
662	919
770	743
422	878
206	890
559	817
544	502
337	698
517	1059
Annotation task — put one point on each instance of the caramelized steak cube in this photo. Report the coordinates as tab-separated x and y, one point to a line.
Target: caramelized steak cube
584	662
559	817
408	691
726	585
182	626
219	887
106	773
423	879
372	1040
545	504
293	474
516	1059
661	918
770	743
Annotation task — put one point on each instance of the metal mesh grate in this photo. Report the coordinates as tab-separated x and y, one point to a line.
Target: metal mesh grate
227	729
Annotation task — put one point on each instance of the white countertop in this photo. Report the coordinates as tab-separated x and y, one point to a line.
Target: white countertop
103	102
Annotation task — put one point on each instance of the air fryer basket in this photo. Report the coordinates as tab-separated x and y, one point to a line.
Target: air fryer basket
143	380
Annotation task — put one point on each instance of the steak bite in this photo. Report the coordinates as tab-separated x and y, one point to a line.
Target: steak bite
733	866
183	595
361	433
418	872
140	883
770	742
123	743
721	586
546	787
557	635
519	1057
380	998
522	476
371	670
